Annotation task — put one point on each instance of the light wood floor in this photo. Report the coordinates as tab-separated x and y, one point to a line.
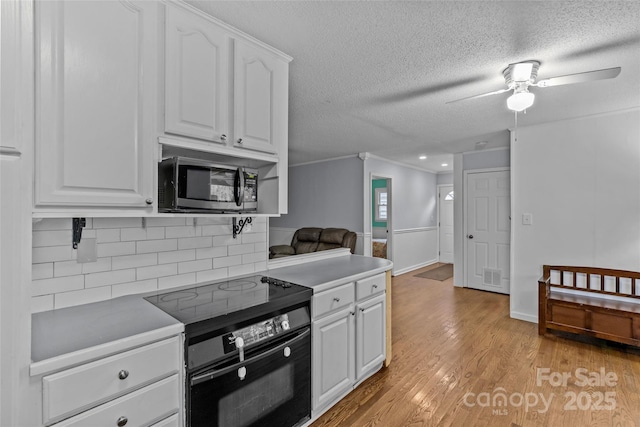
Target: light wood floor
448	342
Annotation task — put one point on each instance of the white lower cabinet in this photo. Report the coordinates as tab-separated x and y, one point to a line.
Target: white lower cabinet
333	357
138	387
370	344
349	338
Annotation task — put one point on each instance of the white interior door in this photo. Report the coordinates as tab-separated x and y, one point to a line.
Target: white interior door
445	224
488	230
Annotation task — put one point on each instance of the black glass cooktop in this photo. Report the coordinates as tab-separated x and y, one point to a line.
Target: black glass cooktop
237	299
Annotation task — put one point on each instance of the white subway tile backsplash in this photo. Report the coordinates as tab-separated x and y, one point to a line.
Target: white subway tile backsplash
191	266
214	252
42	303
216	230
66	268
52	224
53	253
116	222
156	271
227	261
254	257
41	271
175	281
241	249
211	275
113	277
51	238
194	242
240	270
116	249
166	222
176	256
131	288
108	235
84	296
166	253
148	246
101	264
56	285
133	261
186	231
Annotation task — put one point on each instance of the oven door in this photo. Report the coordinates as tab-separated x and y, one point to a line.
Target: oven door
275	390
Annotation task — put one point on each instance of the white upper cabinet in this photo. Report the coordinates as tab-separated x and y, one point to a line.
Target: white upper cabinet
223	86
260	98
196	77
96	77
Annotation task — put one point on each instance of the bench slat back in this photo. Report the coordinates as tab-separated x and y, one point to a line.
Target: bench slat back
593	279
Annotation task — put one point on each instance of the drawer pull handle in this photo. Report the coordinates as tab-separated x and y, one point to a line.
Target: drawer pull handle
123	374
122	421
336	299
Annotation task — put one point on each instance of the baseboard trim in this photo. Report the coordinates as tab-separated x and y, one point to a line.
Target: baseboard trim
524	316
414	267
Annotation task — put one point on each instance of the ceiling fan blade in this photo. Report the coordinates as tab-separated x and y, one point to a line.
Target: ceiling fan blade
482	95
589	76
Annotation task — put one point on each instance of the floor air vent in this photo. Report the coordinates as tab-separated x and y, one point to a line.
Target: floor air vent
492	277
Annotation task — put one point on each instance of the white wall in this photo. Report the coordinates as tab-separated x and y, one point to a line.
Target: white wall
167	253
580	179
444	178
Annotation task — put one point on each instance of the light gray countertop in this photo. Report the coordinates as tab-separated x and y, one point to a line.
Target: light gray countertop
65	337
70	336
327	273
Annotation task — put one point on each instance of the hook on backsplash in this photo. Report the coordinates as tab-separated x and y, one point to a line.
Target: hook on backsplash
239	225
77	224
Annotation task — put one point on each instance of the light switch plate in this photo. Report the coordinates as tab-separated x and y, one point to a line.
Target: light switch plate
527	219
87	250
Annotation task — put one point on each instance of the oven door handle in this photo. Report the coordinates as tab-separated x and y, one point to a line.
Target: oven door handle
209	375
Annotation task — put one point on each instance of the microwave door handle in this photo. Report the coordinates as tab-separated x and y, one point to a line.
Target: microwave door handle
215	373
238	185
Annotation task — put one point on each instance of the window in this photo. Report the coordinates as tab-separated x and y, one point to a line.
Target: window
449	196
381	204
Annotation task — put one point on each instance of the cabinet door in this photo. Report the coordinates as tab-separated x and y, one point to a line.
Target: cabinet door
95	100
370	341
333	357
197	77
260	98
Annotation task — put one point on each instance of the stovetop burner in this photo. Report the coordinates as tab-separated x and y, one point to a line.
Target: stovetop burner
236	299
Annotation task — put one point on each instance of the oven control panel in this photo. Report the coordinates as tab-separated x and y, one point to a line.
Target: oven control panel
257	332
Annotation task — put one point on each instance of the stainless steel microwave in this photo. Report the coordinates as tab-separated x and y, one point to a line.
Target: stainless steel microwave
192	185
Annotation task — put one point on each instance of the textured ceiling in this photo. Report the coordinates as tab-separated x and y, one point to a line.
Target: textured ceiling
376	75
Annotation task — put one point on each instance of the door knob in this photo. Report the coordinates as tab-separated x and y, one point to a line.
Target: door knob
470	236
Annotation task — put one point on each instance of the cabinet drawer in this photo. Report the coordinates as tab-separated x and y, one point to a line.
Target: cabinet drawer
172	421
140	408
74	390
370	286
333	299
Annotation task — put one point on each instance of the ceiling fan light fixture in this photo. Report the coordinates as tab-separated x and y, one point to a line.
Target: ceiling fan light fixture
521	72
520	101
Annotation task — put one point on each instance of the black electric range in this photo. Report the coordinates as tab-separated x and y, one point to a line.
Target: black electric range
245	338
229	303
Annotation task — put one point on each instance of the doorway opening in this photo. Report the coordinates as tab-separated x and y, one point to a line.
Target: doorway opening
381	230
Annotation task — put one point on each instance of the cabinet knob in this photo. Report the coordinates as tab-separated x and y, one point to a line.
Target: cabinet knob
362	309
336	299
123	374
353	313
149	201
122	421
239	140
375	286
223	137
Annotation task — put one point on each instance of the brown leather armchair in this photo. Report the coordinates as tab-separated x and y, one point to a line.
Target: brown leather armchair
313	239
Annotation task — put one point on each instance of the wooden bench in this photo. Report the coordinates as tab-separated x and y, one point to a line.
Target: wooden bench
573	299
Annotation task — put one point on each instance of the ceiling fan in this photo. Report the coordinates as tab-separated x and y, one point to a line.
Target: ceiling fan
520	76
